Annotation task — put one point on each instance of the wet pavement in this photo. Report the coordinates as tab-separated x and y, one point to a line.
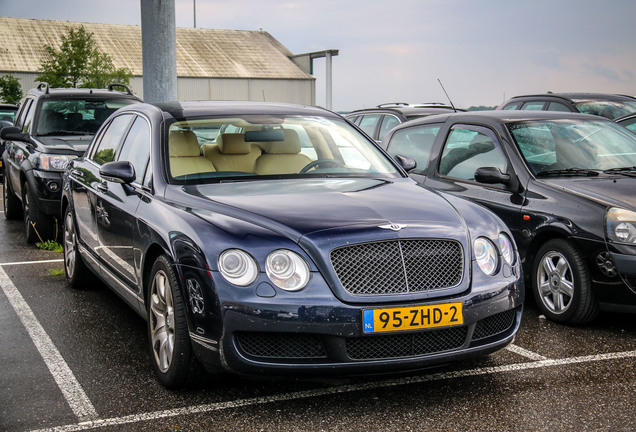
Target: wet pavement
77	360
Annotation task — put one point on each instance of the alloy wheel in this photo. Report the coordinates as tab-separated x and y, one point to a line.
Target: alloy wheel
555	282
70	245
162	321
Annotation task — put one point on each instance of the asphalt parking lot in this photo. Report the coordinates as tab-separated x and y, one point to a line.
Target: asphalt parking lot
77	360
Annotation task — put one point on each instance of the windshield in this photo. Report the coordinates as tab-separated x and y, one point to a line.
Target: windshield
204	150
76	116
558	145
607	109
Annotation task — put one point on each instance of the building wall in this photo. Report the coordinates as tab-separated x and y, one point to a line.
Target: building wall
194	89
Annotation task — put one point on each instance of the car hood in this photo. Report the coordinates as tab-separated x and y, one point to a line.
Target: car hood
614	190
66	144
328	207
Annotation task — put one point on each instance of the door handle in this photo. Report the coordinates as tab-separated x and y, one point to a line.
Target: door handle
102	186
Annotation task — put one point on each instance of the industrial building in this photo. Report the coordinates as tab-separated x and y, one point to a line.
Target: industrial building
211	64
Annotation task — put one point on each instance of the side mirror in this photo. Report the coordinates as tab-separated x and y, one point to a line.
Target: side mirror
491	175
122	172
406	162
13	133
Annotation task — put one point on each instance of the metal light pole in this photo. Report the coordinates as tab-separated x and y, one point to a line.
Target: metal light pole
159	50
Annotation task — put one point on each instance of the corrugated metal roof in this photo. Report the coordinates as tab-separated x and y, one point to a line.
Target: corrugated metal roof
200	52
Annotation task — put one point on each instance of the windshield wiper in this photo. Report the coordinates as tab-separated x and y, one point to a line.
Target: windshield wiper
628	171
568	172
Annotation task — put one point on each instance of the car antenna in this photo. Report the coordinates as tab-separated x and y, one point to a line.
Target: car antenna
449	99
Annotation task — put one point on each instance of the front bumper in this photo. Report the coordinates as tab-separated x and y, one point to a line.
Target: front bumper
289	334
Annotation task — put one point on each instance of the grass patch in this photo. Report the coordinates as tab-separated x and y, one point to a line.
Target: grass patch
56	272
50	245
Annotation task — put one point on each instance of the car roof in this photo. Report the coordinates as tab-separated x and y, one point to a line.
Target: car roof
501	116
406	109
578	97
228	108
44	91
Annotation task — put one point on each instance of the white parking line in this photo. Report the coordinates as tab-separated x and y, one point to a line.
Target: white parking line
526	353
198	409
66	381
31	262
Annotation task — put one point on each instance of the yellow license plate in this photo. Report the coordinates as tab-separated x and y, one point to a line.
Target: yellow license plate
412	317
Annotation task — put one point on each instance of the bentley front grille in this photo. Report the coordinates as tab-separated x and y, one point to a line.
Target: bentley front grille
398	266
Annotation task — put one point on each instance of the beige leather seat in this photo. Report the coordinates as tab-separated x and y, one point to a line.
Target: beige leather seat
185	155
232	153
281	157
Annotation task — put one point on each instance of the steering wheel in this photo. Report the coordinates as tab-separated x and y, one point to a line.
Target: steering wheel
318	162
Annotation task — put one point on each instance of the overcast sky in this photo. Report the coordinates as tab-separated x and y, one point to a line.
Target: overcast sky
390	51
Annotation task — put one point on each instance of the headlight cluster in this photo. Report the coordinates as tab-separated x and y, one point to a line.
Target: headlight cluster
286	269
488	255
621	226
51	162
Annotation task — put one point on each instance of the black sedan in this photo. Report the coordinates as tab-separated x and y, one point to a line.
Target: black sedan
565	184
292	244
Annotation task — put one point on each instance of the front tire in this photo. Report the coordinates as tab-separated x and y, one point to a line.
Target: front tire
11	203
172	358
37	225
561	284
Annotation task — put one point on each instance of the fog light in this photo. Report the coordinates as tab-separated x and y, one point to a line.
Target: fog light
53	186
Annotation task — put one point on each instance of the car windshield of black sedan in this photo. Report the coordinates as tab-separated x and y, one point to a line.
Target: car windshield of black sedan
575	147
607	109
203	150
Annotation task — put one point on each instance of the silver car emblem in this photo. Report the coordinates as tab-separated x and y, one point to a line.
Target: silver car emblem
393	226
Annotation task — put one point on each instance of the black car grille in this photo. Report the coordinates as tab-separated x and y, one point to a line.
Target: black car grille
494	325
398	266
281	345
407	344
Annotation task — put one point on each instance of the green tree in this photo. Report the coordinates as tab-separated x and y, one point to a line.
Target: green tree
78	63
10	89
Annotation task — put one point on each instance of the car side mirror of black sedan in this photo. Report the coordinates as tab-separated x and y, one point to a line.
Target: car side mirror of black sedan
406	162
491	175
122	172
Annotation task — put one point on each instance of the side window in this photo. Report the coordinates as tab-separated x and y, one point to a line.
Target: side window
533	106
388	123
415	142
136	147
26	116
109	140
368	124
557	106
511	106
466	150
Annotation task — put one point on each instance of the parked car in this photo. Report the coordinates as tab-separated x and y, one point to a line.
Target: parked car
377	121
247	255
52	127
628	121
564	183
7	112
7	115
610	106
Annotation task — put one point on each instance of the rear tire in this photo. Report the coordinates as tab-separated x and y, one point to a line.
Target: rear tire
170	347
562	285
11	203
77	274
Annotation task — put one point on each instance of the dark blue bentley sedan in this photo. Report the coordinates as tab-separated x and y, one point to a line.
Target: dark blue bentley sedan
274	239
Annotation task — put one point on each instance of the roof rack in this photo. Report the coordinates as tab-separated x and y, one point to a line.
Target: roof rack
110	87
384	105
45	85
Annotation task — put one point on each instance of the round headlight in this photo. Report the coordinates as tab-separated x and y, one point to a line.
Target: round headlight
621	225
287	270
486	255
238	267
506	249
